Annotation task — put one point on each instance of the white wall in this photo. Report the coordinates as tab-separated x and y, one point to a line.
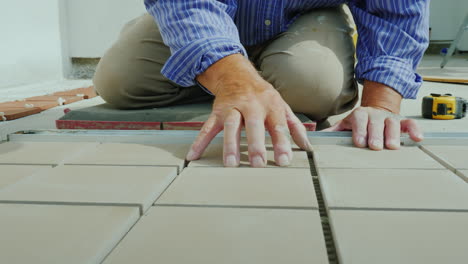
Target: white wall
446	18
95	24
31	43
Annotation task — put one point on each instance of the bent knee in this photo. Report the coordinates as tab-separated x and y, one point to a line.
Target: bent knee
311	81
112	83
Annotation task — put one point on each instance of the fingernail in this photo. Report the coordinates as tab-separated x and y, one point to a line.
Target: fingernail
191	155
361	141
257	162
377	143
394	143
283	160
231	161
421	136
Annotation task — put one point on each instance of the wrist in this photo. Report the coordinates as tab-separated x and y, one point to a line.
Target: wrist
380	96
227	72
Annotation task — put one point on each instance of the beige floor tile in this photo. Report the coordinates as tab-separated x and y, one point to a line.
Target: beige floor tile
400	237
457	156
61	234
223	235
93	184
134	154
39	152
384	188
213	157
332	156
242	187
11	174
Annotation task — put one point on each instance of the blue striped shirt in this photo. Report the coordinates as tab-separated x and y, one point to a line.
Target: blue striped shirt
393	34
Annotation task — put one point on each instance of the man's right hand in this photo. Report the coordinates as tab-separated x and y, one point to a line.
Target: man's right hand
243	98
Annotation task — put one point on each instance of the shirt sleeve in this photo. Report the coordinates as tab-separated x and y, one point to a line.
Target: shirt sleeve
198	32
393	36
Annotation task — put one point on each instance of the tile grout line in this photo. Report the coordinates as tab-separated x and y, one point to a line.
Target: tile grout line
52	203
122	238
238	206
179	172
382	209
323	211
443	162
118	165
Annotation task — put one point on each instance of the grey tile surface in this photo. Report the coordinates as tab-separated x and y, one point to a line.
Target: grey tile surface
223	235
332	156
61	234
93	184
242	187
133	154
11	174
457	156
394	188
213	157
400	237
39	152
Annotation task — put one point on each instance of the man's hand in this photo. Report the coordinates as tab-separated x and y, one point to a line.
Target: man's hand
377	123
243	98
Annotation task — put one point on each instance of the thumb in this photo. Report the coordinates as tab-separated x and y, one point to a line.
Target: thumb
336	127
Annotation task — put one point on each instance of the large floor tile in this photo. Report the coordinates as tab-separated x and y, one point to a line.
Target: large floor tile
223	235
213	157
394	188
93	184
39	152
400	237
242	187
457	156
11	174
61	234
332	156
134	154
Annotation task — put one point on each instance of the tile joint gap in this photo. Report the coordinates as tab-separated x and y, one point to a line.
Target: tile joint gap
323	211
442	162
52	203
238	206
381	209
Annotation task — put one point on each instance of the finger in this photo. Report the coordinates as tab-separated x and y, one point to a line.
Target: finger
297	130
232	133
375	132
209	130
336	127
255	130
359	126
392	133
279	132
410	126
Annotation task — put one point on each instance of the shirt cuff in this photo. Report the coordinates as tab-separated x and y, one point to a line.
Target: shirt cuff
391	71
186	64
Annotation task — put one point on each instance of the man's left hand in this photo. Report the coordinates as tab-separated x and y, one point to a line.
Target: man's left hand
376	128
377	123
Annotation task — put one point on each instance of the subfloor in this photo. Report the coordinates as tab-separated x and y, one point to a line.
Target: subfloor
130	197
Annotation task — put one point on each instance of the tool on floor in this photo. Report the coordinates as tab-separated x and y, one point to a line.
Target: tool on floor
444	107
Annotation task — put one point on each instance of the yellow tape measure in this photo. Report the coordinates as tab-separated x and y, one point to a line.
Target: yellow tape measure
443	107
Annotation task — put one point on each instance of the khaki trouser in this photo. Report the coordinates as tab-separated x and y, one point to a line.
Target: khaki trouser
311	65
